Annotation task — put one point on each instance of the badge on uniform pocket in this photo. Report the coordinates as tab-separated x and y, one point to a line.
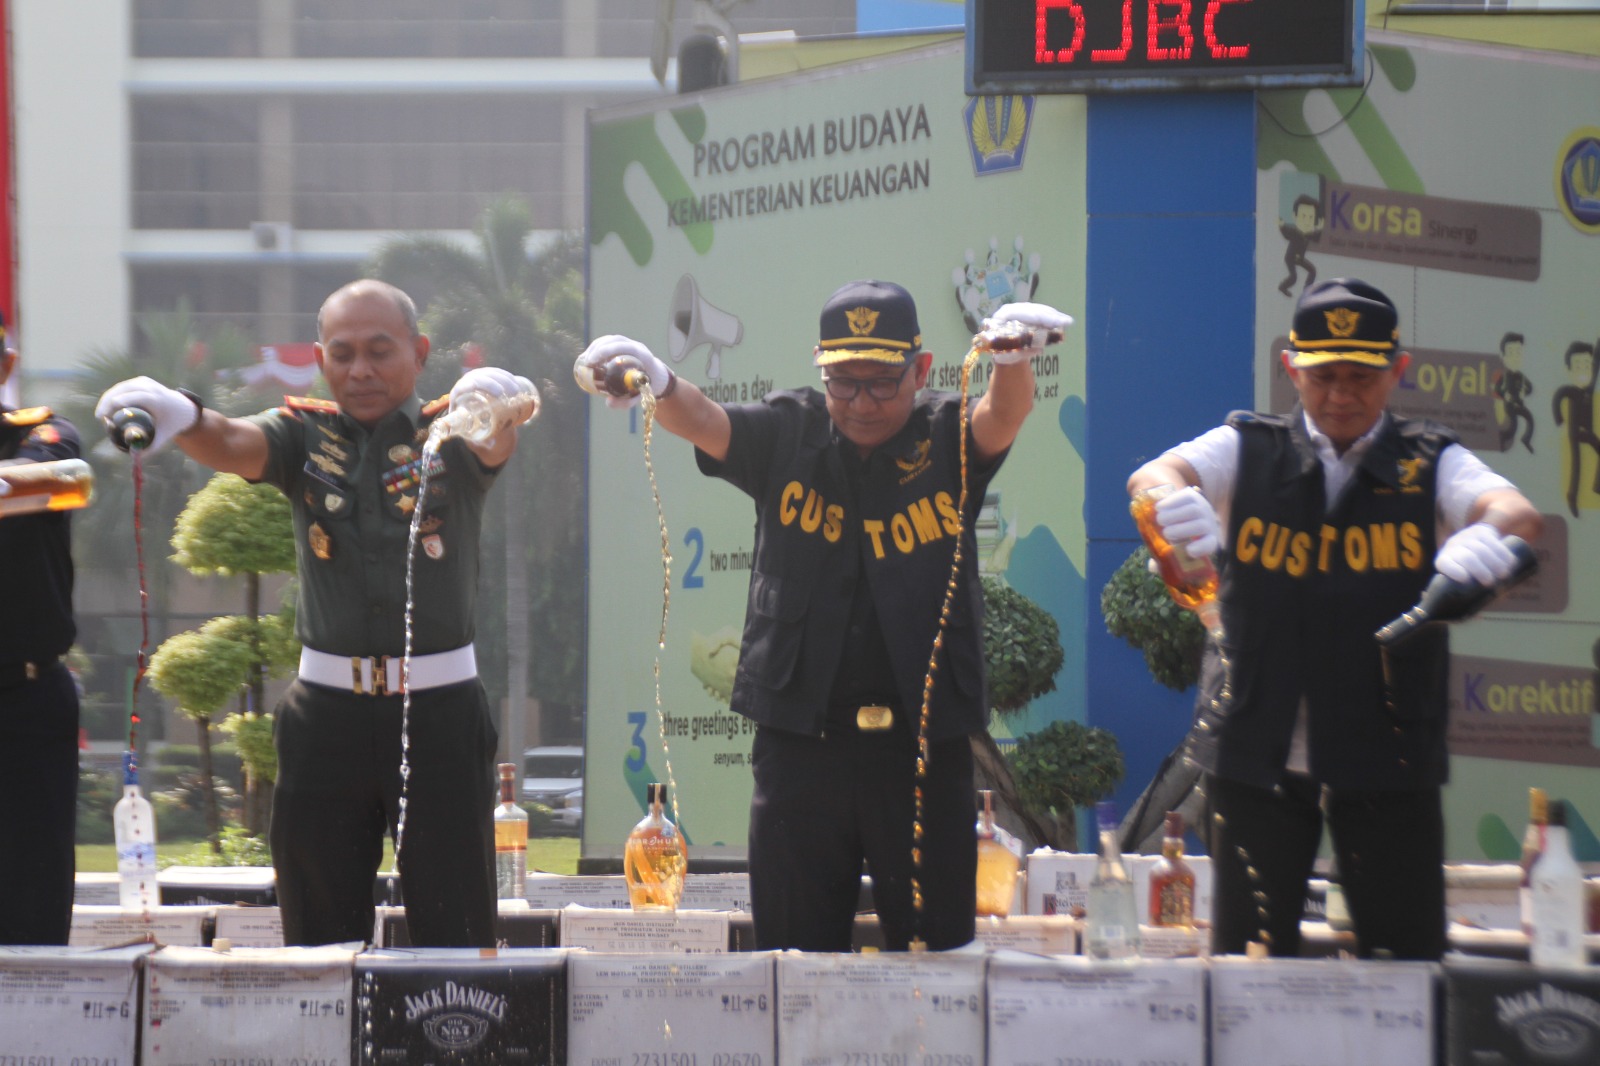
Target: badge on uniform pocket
321	543
433	546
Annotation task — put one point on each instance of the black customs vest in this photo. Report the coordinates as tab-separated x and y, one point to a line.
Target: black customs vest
1303	590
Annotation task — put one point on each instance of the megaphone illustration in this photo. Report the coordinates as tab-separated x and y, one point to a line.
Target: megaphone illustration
695	321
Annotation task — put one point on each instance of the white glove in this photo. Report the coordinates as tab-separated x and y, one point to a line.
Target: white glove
171	410
496	383
1477	554
1186	517
1041	318
590	368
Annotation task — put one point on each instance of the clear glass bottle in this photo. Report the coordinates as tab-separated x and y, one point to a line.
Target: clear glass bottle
58	485
1172	880
1556	888
134	826
1533	838
510	839
655	858
480	417
131	429
1111	927
1448	600
999	860
1191	580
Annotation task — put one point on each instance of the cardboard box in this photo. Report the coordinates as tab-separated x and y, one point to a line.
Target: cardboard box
1483	895
521	927
881	1008
642	932
213	885
1040	934
104	926
96	890
248	927
1502	1013
427	1006
716	892
64	1004
1295	1012
671	1008
554	891
203	1006
1083	1010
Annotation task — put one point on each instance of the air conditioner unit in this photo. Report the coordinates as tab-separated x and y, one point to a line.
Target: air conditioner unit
272	236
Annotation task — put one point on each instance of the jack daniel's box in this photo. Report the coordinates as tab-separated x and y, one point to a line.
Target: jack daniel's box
885	1009
514	927
671	1009
218	885
284	1005
103	927
461	1007
1504	1013
64	1005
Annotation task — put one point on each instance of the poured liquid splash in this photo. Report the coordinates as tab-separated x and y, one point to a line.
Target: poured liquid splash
647	404
430	452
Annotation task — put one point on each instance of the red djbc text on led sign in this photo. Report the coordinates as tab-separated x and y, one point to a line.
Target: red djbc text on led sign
1109	45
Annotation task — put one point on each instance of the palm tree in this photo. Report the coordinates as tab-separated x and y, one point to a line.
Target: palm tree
522	313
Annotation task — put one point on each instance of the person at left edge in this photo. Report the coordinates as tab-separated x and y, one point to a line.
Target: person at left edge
38	698
349	469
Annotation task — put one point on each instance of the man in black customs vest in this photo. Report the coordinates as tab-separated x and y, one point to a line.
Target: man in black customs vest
856	492
1327	523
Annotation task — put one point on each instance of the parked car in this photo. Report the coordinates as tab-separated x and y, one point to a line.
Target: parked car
553	776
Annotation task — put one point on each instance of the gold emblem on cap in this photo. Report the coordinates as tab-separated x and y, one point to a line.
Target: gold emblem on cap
863	320
321	543
1342	321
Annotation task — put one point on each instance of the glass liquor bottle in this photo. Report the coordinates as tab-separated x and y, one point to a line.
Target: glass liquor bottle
131	429
58	485
1448	600
134	826
621	377
1111	929
510	839
1191	580
1172	880
655	858
1556	887
999	859
480	417
1533	838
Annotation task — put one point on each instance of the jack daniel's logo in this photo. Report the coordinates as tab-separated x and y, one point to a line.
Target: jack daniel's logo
455	1016
1553	1024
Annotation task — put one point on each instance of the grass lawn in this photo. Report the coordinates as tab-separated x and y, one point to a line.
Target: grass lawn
557	855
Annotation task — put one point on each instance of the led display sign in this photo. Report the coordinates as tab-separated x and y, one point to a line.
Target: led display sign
1090	46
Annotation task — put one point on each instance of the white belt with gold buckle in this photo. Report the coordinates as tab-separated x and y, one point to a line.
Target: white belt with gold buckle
379	675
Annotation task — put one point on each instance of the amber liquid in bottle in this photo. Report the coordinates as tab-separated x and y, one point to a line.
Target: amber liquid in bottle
1172	880
1191	581
999	859
655	858
1533	839
510	839
59	485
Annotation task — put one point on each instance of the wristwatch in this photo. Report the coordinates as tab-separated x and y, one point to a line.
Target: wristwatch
199	407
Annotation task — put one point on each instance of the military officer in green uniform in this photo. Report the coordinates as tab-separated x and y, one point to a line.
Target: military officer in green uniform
351	469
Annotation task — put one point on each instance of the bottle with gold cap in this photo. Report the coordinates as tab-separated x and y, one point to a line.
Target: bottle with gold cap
999	860
1172	880
510	839
1532	847
57	485
655	858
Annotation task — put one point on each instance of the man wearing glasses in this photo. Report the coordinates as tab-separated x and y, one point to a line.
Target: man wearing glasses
856	492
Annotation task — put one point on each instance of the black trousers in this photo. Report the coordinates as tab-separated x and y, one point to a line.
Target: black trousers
39	792
823	805
1389	847
338	792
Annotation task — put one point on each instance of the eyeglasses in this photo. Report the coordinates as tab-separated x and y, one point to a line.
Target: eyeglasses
878	388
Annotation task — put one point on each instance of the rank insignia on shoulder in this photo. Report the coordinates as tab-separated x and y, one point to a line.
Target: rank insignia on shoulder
433	407
45	434
26	416
309	403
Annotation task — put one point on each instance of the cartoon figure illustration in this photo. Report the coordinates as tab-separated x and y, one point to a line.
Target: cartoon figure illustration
983	288
1305	227
1510	386
1579	417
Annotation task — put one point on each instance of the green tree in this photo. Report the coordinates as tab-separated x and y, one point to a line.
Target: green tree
520	308
230	527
